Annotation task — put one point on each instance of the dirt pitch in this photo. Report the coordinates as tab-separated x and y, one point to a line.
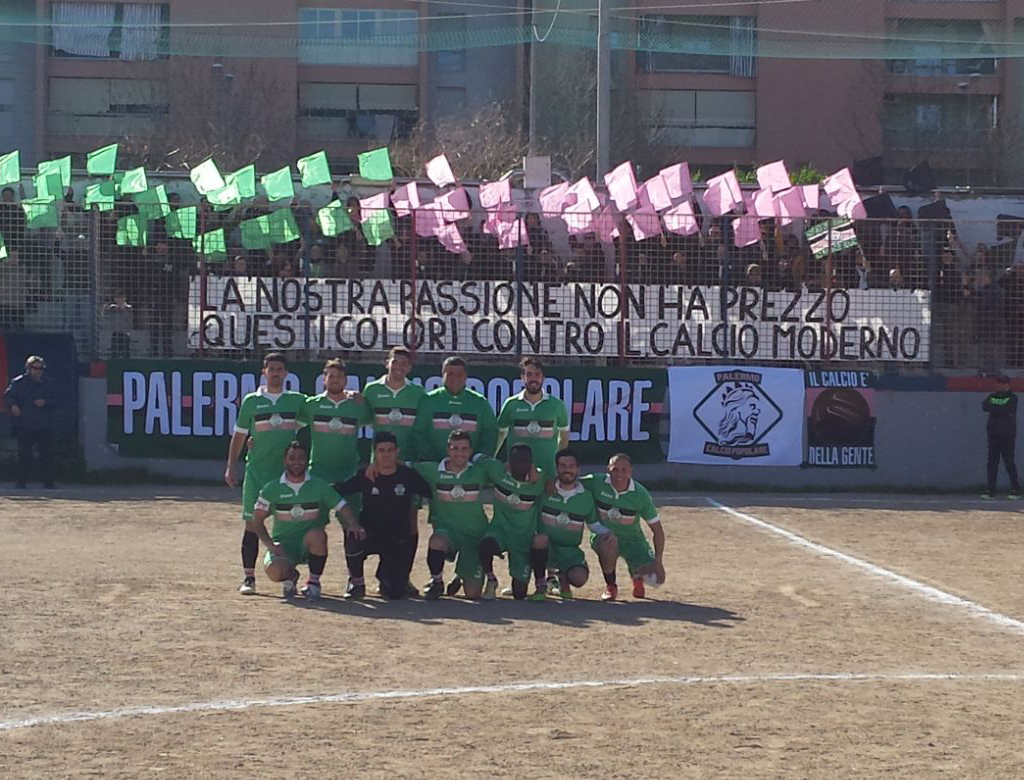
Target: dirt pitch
762	657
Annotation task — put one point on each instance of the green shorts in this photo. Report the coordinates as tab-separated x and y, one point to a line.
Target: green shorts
519	567
636	552
464	549
561	558
252	484
296	551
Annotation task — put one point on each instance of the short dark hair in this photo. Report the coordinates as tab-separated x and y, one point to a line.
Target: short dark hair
517	448
460	436
400	352
622	455
275	357
295	444
530	361
337	363
454	360
567	452
384	437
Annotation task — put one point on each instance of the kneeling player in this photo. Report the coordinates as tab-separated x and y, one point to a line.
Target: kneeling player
563	514
300	505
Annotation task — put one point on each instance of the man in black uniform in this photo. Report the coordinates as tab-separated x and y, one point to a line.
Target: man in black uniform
389	517
32	399
1001	427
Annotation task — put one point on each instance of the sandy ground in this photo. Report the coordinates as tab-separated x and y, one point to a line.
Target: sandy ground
126	597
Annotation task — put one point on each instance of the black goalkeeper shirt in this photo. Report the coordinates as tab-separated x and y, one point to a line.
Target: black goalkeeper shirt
388	500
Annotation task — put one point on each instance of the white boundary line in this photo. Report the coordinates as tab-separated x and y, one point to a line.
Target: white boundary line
225	705
929	592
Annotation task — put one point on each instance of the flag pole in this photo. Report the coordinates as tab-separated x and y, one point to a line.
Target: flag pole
604	88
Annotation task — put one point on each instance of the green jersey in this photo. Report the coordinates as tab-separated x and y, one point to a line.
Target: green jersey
538	425
621	512
457	502
334	433
515	502
394	410
564	513
272	422
440	413
297	508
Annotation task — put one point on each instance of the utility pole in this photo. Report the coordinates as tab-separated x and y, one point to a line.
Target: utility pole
533	79
604	89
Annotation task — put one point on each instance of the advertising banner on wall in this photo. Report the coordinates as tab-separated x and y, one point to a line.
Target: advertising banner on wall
187	408
729	416
840	408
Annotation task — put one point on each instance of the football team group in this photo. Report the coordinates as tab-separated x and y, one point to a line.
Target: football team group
439	447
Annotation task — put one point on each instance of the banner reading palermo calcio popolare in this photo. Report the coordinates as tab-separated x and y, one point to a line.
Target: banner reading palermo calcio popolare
187	408
555	319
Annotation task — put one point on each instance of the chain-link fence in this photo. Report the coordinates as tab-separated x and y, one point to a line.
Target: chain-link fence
192	281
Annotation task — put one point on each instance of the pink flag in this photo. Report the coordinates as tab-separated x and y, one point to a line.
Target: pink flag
774	177
552	199
763	205
677	179
852	208
606	226
406	199
510	229
494	193
621	184
440	172
645	223
839	186
582	192
681	219
428	220
374	203
453	205
655	191
789	205
579	218
746	230
809	195
451	238
723	194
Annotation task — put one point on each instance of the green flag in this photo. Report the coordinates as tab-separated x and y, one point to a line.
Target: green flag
153	203
206	177
182	223
278	185
226	197
48	185
61	166
377	226
245	178
102	161
134	181
256	233
210	243
132	230
40	213
283	227
315	170
10	168
3	248
333	218
376	165
101	194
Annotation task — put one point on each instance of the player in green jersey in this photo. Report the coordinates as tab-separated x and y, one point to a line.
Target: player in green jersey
563	514
270	419
334	418
535	418
394	400
513	528
300	505
453	407
621	502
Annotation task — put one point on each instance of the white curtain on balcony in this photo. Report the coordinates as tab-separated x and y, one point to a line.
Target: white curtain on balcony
83	28
140	31
741	62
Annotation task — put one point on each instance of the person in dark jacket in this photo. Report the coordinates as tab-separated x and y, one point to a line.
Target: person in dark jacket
32	400
1001	427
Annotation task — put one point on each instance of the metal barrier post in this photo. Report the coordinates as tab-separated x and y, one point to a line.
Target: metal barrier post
622	298
414	261
519	285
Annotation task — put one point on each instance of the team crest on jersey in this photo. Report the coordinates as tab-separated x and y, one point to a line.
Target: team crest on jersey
458	492
533	428
614	513
514	499
562	518
336	424
297	511
399	490
395	415
455	420
374	492
276	420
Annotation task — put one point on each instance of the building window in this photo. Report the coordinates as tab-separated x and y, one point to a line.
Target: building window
937	122
125	31
113	107
451	27
942	47
377	111
707	118
697	44
6	107
333	36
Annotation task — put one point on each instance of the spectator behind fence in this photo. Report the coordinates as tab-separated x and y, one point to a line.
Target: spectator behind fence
1013	287
902	250
16	286
540	262
120	320
12	219
32	399
989	316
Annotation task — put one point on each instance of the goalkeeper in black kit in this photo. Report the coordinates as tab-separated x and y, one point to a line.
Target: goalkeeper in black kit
1001	427
389	517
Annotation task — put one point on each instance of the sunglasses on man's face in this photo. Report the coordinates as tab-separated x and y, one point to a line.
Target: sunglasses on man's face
37	367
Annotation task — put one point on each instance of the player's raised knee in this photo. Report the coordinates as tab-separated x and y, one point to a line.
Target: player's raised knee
316	541
540	541
438	542
577	576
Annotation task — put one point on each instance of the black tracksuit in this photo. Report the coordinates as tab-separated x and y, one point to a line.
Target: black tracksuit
34	427
387	503
1001	428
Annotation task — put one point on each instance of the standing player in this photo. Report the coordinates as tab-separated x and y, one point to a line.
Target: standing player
300	505
621	503
270	417
388	518
535	418
394	400
453	407
513	528
563	514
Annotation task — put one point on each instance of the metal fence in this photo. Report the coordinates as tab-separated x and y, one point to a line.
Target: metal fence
816	291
